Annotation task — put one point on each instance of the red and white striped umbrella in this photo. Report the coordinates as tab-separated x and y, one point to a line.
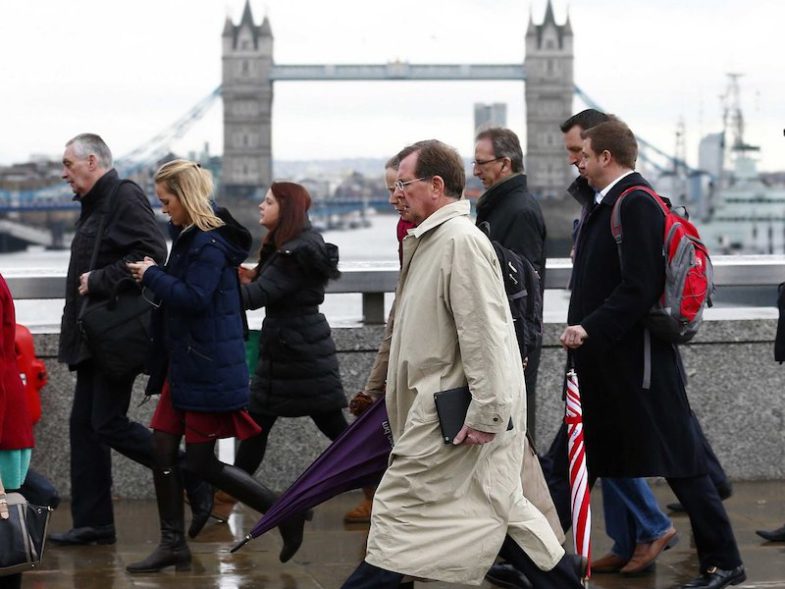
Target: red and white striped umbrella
579	477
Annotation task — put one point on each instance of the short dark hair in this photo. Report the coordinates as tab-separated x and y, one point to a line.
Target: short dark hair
586	119
435	158
392	163
505	144
615	137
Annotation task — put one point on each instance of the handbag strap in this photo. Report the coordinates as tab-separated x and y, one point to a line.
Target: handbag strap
105	212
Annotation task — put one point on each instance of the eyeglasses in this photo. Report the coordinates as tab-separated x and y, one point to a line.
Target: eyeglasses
483	162
400	184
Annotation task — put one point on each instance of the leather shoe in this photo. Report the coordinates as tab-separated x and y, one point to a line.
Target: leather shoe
643	558
610	563
715	578
507	576
777	535
86	535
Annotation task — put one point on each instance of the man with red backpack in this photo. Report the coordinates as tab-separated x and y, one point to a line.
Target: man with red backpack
637	419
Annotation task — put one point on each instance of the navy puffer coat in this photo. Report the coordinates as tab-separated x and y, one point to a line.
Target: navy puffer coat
297	373
198	330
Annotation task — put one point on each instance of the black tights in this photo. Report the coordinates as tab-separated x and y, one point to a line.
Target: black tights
251	451
200	459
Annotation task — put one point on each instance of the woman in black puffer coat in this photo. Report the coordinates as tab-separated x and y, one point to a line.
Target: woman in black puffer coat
297	373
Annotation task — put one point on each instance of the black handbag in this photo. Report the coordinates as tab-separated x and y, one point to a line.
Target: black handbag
116	330
22	535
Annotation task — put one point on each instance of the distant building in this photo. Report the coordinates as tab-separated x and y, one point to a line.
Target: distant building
711	153
489	115
549	91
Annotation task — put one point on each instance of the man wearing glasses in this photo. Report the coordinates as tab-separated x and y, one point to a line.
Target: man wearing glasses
514	217
444	510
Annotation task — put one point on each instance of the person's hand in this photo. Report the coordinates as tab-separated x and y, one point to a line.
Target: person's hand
573	337
138	269
359	403
83	280
3	506
246	275
472	437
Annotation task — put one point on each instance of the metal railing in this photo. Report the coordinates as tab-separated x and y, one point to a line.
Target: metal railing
373	280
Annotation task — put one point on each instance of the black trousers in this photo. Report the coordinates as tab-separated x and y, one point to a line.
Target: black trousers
562	576
250	452
711	528
556	468
530	376
98	422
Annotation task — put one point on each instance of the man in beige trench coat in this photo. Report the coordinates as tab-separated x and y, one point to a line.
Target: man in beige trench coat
444	511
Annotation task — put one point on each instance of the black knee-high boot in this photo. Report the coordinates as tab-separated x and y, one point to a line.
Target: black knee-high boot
254	494
173	549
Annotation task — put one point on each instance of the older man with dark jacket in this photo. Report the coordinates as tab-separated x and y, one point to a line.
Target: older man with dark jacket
98	417
514	217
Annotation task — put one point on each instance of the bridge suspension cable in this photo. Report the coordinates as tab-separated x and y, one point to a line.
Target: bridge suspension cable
152	150
672	161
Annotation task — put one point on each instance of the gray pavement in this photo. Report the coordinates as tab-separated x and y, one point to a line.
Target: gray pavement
332	550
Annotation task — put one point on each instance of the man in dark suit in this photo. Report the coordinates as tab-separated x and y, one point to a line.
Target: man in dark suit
635	428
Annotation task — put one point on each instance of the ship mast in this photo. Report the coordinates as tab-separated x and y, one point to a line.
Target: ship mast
738	161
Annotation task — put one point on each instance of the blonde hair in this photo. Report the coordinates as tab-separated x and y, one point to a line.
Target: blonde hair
193	187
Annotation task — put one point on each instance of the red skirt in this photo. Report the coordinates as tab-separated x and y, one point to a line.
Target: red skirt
201	427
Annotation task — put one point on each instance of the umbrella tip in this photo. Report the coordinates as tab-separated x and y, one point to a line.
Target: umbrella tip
242	543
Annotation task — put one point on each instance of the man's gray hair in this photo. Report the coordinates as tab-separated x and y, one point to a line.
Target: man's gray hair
505	144
86	144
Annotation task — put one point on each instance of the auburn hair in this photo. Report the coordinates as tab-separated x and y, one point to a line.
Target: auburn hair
293	204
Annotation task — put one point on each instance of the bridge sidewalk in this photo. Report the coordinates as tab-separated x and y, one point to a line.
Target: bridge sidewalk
331	550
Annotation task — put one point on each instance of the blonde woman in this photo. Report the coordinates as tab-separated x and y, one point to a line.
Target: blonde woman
199	356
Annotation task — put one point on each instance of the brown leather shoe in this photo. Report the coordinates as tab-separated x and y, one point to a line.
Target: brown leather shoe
360	514
223	504
610	563
643	558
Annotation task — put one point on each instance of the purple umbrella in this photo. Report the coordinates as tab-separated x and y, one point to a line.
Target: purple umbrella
357	458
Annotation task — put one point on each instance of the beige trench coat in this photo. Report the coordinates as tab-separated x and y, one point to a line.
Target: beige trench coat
441	512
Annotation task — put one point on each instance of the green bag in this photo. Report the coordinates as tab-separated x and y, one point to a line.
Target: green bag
252	350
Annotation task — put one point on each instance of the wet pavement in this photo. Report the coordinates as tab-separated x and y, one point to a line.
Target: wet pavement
331	550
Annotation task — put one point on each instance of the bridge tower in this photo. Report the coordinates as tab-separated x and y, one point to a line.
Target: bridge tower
247	92
549	90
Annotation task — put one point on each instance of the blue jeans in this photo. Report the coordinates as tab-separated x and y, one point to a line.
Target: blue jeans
632	515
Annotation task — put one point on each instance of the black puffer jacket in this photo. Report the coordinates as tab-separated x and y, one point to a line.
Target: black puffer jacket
130	234
297	373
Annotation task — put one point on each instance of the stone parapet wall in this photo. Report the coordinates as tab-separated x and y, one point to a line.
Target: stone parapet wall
735	388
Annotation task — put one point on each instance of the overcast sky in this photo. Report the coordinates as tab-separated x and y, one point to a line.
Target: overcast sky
128	69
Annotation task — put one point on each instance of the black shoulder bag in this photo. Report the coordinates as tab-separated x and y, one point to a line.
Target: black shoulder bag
117	330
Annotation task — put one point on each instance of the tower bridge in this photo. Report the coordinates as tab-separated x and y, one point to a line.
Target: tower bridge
249	74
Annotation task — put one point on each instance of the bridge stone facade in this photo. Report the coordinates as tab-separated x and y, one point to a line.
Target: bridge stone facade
249	72
247	90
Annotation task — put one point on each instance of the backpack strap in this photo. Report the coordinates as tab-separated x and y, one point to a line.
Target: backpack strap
616	229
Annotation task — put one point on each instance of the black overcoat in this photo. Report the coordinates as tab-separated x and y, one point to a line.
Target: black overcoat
516	220
297	373
630	430
130	234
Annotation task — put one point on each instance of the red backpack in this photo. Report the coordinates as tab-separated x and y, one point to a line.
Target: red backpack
688	273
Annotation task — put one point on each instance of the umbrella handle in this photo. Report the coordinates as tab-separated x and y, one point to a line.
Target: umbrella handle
242	543
570	360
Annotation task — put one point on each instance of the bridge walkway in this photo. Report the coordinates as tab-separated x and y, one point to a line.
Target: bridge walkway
332	549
